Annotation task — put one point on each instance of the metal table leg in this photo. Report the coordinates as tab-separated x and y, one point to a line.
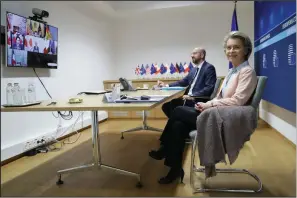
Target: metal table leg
143	127
97	164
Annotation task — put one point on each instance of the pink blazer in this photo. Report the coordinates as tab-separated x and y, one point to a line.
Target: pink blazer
239	90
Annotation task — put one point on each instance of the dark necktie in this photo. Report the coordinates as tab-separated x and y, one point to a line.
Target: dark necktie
194	77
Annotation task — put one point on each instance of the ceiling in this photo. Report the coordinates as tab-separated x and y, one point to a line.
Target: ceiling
116	9
148	5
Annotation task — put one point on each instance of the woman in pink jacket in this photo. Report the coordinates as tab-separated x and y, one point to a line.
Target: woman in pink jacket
236	90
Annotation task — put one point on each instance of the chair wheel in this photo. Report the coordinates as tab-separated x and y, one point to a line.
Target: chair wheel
139	185
59	182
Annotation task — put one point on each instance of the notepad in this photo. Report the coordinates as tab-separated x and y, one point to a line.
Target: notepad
26	104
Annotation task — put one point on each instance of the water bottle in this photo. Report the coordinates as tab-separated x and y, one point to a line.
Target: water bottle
31	93
13	94
9	94
23	95
16	94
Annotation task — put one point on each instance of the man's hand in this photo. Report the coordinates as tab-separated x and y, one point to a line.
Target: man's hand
187	97
201	106
161	84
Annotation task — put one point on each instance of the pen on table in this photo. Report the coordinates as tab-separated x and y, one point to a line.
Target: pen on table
52	103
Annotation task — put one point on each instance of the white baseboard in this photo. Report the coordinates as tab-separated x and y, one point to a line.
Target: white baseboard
278	124
16	149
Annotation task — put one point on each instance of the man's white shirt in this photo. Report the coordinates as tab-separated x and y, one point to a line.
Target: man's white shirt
193	83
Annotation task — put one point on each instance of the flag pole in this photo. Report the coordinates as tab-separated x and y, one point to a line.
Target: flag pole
234	24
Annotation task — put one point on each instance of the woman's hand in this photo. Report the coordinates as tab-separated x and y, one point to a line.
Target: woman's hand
201	106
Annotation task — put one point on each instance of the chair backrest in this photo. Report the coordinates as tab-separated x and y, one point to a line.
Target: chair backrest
216	88
257	95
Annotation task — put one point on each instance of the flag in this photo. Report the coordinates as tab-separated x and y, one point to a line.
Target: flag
181	68
172	69
48	34
157	68
190	66
137	70
142	70
186	68
177	68
163	69
147	69
166	66
153	69
167	69
234	26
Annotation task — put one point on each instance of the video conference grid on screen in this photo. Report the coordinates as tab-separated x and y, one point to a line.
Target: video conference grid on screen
30	43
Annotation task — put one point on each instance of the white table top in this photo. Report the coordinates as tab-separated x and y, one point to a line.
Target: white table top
95	103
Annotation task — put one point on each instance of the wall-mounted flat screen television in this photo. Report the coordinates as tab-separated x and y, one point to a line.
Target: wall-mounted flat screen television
30	43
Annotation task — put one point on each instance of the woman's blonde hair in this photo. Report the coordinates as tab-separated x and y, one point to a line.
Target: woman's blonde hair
248	47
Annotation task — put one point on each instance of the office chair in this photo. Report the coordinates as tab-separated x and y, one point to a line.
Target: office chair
254	102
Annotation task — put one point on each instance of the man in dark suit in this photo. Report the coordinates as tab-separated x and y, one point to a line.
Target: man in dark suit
200	82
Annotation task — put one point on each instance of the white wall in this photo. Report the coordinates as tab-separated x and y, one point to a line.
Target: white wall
85	59
169	35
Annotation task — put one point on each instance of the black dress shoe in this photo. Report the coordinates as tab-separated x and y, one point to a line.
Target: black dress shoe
159	154
173	175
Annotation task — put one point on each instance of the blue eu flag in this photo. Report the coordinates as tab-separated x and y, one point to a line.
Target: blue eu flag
234	26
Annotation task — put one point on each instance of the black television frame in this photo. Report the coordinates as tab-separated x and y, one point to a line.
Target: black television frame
6	47
3	35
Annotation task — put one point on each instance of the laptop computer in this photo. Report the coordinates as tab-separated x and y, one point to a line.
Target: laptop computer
93	92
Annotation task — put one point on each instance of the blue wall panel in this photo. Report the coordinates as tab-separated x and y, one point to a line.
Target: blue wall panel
275	50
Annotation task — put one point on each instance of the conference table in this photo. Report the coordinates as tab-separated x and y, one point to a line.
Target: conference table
95	103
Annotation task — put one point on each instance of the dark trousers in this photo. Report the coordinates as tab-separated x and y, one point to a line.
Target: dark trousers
177	129
168	107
